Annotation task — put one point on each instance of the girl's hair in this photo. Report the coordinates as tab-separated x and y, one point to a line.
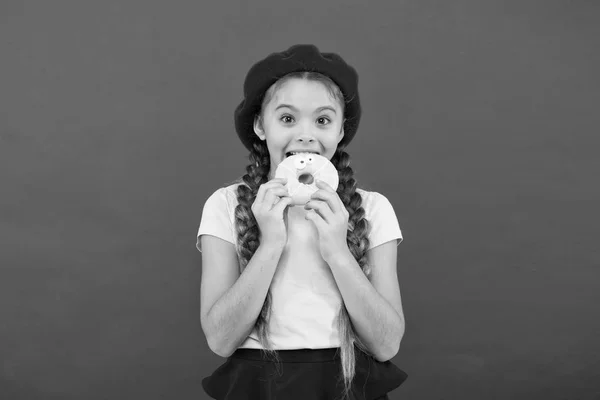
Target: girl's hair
358	243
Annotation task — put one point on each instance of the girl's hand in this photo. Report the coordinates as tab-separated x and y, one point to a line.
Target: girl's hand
328	213
269	210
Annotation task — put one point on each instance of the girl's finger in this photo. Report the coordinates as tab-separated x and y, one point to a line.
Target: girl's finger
320	207
282	203
330	198
264	189
313	216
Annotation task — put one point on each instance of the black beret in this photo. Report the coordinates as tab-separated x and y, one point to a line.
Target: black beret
297	58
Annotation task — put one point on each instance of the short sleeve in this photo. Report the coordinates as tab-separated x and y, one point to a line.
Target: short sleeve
383	221
216	219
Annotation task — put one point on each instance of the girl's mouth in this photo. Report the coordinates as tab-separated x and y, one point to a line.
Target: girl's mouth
290	153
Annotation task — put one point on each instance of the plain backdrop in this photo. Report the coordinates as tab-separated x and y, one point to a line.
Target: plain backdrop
480	125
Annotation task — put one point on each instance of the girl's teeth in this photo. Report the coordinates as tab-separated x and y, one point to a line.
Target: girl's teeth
293	153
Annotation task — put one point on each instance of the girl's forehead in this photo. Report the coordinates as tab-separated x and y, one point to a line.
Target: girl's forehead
303	92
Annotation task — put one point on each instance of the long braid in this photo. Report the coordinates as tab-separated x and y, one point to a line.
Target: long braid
246	225
248	233
358	244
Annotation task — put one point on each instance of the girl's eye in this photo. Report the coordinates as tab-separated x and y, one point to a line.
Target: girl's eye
321	120
286	118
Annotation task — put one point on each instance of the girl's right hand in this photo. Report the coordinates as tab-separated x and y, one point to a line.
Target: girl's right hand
268	208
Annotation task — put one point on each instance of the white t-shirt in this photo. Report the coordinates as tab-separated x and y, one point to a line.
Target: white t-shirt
305	297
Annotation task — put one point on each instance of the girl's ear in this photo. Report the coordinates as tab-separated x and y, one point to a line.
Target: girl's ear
342	133
258	129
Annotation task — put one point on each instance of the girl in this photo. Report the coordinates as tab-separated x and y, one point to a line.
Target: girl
303	302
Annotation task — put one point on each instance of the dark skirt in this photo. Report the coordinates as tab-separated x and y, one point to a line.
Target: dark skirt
314	374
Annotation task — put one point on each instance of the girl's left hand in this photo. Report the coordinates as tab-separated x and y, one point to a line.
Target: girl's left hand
328	213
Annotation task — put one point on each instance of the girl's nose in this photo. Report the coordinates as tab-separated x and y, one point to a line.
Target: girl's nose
305	134
305	139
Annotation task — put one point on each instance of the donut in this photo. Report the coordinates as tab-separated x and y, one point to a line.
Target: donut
301	171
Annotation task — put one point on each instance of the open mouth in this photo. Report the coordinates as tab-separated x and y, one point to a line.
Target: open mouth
290	153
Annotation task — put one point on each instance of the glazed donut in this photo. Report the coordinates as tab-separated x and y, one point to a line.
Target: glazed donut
301	171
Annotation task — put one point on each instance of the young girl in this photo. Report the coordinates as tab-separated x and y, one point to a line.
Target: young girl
303	302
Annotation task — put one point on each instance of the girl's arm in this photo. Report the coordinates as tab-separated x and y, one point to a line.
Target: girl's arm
378	323
233	315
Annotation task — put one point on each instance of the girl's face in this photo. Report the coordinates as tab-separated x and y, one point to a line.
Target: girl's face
301	116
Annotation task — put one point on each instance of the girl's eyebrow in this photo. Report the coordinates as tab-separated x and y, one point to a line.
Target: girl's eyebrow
296	110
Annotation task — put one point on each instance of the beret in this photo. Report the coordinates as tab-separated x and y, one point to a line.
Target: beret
301	57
